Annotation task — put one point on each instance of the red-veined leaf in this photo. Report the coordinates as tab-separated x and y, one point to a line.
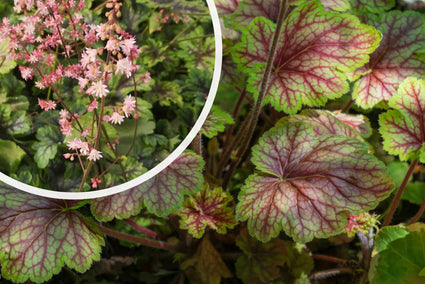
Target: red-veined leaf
38	236
394	60
374	6
225	7
161	194
337	5
403	128
314	43
207	208
307	184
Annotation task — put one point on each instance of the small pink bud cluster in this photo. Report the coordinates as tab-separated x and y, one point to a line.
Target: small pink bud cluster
362	222
164	17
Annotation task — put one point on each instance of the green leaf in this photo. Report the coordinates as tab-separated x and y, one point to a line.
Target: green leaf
38	236
207	208
10	156
414	192
396	58
315	45
48	137
337	5
402	257
161	194
261	261
403	128
6	62
398	170
215	122
19	123
307	185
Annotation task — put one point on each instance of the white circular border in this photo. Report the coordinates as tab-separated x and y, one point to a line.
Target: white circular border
162	165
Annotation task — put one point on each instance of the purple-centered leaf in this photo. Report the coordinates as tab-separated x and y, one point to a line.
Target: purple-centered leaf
160	195
216	122
307	184
315	45
207	208
403	128
394	60
38	236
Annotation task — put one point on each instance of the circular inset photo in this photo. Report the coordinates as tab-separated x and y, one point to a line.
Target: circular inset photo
97	97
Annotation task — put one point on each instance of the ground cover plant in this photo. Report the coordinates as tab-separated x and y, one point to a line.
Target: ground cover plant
309	168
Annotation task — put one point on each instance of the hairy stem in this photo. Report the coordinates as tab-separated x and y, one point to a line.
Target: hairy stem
263	90
139	240
330	272
396	200
141	229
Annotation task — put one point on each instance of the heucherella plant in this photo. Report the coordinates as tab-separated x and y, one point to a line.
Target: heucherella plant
308	169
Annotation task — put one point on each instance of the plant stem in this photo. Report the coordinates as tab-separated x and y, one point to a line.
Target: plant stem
330	272
263	91
396	200
141	229
347	106
419	214
329	258
142	241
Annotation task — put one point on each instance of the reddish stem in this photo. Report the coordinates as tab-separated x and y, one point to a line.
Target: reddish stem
142	241
141	229
396	200
329	258
419	214
330	272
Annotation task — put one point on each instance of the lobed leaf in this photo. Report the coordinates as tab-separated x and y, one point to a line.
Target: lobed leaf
207	208
315	45
225	7
38	236
403	128
46	147
307	185
215	122
161	194
394	60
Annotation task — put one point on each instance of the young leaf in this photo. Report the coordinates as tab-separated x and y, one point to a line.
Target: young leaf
46	147
394	60
206	266
401	257
315	45
38	236
215	122
161	194
207	208
308	185
6	61
10	156
403	129
261	261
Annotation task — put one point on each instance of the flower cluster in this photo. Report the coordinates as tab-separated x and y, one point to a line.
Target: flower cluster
53	43
362	222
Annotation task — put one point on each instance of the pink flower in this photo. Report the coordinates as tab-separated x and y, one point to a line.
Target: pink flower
145	78
74	144
129	105
95	182
116	118
93	105
26	72
84	148
98	89
46	105
125	66
94	155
